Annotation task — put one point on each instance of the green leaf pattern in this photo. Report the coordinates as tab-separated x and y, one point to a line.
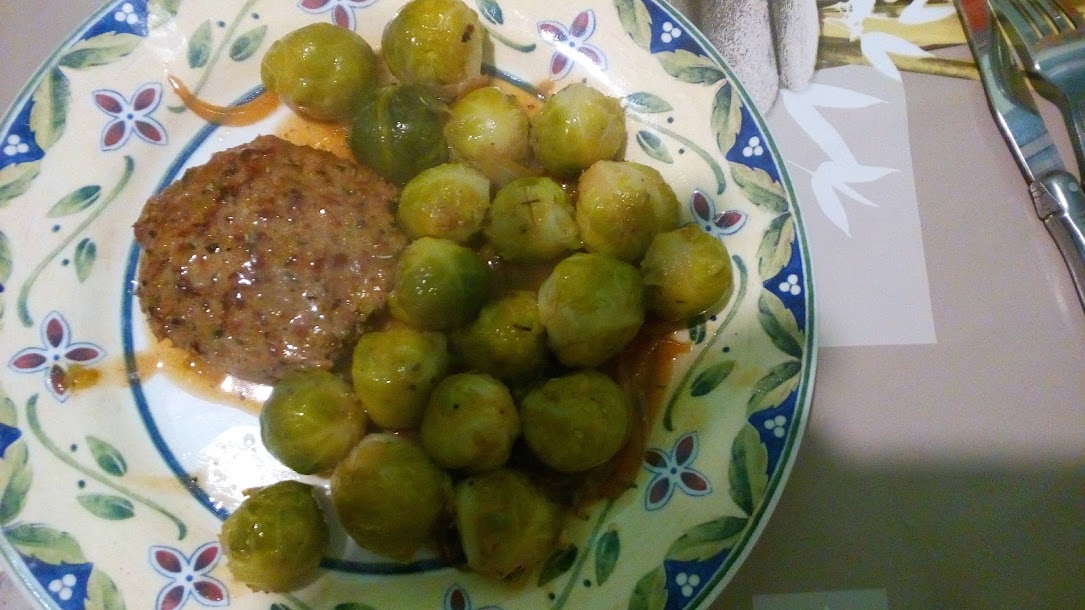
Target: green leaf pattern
107	506
559	562
653	146
75	202
711	378
636	20
708	540
247	44
16	179
100	50
490	11
199	46
690	67
779	324
107	456
49	113
86	252
748	472
773	389
650	592
647	103
16	474
726	118
775	248
607	550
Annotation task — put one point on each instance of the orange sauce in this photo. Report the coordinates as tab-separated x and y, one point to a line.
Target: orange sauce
330	137
195	378
250	112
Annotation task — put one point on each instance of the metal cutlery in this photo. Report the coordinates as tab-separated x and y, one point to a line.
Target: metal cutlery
1049	37
1056	194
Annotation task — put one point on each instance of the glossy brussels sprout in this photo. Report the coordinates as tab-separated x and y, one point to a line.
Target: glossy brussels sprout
447	201
398	130
439	285
591	305
576	422
394	370
321	71
686	273
507	525
310	421
488	129
434	42
470	423
275	540
576	127
621	206
532	220
507	339
389	495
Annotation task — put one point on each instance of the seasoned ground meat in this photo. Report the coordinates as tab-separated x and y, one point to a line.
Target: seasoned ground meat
268	258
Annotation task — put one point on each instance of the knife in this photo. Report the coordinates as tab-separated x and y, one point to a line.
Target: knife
1056	194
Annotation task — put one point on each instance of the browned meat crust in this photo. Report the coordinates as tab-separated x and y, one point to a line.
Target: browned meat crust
268	258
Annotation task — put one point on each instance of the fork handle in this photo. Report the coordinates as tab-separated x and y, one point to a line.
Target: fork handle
1061	206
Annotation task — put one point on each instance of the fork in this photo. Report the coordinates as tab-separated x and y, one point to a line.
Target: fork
1049	37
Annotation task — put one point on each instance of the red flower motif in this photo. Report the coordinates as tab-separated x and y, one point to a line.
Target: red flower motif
673	469
572	43
728	222
57	351
189	577
457	599
130	117
342	10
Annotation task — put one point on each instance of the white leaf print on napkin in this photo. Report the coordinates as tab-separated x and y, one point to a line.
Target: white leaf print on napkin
877	46
835	176
918	13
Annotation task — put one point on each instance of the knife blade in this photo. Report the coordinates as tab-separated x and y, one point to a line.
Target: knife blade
1056	193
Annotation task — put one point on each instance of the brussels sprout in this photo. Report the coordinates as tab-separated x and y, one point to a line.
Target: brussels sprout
576	127
321	71
576	422
275	540
439	285
621	206
394	370
488	129
507	525
310	421
470	423
686	272
447	201
389	496
591	306
434	42
398	130
532	220
506	340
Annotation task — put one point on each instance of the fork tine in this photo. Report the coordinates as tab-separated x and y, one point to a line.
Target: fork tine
1071	13
1038	15
1022	31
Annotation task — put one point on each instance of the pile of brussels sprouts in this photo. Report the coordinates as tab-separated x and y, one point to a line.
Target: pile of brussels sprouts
469	381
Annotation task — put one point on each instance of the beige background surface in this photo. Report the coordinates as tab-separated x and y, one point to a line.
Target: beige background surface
949	474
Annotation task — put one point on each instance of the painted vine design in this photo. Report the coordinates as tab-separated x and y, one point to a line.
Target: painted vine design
203	53
45	550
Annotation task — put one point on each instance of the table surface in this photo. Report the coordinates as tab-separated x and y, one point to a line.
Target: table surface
946	470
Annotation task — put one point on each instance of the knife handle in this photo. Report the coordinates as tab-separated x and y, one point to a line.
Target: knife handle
1064	218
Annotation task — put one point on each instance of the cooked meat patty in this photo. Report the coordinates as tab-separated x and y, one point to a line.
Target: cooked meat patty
268	258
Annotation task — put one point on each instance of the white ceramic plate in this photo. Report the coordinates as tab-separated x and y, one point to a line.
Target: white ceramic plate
113	493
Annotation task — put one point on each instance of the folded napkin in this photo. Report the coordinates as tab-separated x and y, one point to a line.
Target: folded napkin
768	43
